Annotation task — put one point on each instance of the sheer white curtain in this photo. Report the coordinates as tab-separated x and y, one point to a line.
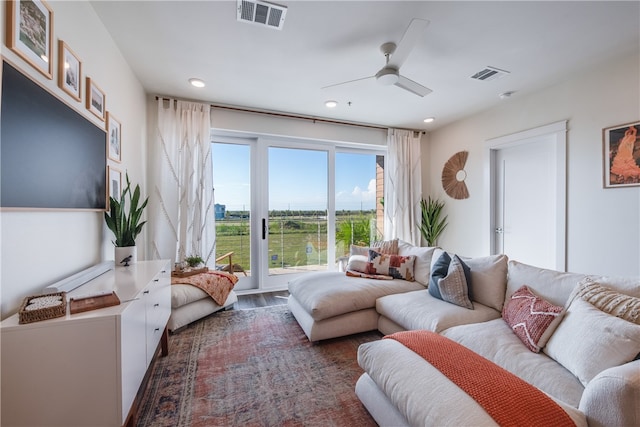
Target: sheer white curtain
181	214
402	186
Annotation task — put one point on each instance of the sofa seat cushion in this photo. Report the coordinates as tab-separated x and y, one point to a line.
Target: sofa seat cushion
421	393
495	341
325	294
421	310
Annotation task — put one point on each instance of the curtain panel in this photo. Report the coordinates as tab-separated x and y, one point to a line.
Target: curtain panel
181	218
403	187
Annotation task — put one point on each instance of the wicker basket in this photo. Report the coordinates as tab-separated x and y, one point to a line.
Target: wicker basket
45	313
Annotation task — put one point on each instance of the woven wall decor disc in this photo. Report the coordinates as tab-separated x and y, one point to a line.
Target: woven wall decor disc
453	176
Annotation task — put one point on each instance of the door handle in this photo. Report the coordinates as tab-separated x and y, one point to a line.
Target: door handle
264	228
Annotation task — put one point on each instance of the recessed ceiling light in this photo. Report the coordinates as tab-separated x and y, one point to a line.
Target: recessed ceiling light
196	82
331	104
429	119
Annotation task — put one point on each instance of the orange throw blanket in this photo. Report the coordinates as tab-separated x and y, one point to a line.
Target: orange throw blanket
217	284
509	400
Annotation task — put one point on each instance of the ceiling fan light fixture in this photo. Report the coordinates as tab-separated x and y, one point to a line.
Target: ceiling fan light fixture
331	104
387	76
196	82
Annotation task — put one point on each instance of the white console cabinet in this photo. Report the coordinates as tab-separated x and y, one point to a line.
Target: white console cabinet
85	369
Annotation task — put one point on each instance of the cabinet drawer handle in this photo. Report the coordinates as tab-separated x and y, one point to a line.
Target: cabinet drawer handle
156	305
156	280
145	292
156	329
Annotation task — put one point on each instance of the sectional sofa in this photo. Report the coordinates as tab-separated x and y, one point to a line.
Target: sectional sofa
584	359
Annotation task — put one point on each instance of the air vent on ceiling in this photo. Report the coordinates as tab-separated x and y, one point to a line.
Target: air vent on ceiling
489	73
262	13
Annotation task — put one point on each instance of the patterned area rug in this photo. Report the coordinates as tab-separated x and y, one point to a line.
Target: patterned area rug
255	368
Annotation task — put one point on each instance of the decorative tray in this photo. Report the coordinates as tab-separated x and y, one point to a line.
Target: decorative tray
187	273
42	307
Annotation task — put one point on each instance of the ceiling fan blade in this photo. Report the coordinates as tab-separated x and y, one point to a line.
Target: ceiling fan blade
412	86
349	81
411	36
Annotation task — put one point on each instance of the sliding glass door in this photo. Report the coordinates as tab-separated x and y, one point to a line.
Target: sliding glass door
274	213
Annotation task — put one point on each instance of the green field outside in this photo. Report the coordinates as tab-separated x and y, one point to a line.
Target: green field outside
294	240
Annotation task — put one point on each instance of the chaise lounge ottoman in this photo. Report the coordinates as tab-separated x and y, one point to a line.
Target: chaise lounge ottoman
332	304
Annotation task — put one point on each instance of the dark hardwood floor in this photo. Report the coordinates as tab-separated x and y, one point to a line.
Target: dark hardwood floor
261	300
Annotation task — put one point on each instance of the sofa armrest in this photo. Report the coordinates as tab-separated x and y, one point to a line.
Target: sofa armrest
611	398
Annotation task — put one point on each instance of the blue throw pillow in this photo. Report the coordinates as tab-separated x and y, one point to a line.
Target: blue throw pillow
451	281
439	271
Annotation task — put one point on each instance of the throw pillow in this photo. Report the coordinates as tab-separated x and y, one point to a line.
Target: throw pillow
451	281
396	266
608	300
359	250
455	287
588	341
438	271
531	318
358	263
389	247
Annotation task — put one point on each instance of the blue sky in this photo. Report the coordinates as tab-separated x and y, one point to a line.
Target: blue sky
297	179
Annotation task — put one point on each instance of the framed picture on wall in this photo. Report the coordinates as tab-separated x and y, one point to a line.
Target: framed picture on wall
30	33
621	149
69	71
114	135
115	183
96	99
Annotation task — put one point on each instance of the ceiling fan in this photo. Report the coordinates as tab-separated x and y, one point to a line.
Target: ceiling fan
395	56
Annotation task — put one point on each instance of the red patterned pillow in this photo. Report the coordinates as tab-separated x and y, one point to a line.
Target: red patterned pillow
396	266
531	318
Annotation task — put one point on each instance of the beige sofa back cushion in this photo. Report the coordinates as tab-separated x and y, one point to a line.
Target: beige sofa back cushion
554	286
488	277
422	266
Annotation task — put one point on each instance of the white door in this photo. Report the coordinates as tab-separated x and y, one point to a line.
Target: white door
528	193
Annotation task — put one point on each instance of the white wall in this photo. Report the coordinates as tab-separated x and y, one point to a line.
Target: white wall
40	247
603	225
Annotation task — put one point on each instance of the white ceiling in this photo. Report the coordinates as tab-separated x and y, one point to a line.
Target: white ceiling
327	42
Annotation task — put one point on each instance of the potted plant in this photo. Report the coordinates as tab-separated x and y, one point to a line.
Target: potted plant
432	224
126	223
194	261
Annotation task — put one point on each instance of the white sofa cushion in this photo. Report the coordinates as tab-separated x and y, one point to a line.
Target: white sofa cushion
421	310
553	286
488	277
495	341
588	341
325	294
422	266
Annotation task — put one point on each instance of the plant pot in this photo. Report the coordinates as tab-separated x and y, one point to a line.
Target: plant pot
125	255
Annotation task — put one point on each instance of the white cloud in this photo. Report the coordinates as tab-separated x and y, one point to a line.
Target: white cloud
365	195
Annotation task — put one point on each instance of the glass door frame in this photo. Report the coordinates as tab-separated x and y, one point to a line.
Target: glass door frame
273	282
259	181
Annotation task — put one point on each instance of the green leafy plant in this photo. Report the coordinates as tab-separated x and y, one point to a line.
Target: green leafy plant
432	222
194	261
356	231
126	224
